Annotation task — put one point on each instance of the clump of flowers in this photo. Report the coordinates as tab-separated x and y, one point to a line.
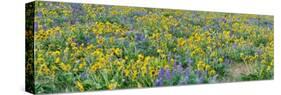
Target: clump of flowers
81	47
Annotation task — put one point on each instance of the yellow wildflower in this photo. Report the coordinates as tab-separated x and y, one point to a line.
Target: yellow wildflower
79	85
140	57
82	65
65	67
220	60
212	72
112	85
40	60
100	40
117	51
127	72
44	69
181	42
56	53
152	73
200	65
207	67
160	51
95	67
135	73
57	60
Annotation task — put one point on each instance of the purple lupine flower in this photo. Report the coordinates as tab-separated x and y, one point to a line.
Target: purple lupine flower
87	39
259	51
187	73
197	73
189	61
49	3
179	68
175	64
200	79
35	27
234	45
84	75
174	69
40	15
168	74
76	11
270	25
253	21
161	73
205	28
140	37
159	82
213	79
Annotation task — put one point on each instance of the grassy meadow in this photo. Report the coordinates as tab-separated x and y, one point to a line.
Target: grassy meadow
89	47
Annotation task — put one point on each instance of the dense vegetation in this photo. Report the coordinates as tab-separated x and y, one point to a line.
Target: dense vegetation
85	47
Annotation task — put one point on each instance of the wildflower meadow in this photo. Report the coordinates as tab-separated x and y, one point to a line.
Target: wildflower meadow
74	47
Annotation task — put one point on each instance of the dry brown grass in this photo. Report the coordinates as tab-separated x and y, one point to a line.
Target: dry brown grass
236	70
